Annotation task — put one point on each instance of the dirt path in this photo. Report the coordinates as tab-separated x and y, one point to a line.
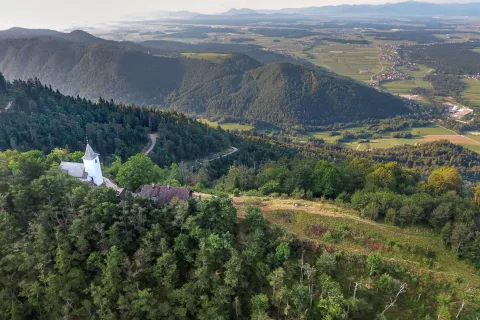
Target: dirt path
112	185
153	141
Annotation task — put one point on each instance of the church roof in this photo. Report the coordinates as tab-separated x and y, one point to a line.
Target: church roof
74	169
89	153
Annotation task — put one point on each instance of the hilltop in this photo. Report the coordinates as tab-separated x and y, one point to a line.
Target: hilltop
219	85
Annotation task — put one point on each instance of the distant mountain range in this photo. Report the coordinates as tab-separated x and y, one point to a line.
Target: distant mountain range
227	85
407	8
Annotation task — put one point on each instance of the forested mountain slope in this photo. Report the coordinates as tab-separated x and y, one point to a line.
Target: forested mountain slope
220	85
40	118
284	94
69	251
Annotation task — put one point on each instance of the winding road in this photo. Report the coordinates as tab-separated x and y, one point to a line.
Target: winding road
153	141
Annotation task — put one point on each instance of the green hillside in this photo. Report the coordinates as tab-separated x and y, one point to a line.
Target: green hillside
42	119
70	251
236	86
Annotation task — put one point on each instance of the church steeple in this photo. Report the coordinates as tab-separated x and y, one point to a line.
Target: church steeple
89	153
92	166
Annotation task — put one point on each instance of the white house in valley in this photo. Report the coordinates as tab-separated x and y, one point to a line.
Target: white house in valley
89	171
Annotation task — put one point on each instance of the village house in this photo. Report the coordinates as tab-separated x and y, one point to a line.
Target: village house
163	195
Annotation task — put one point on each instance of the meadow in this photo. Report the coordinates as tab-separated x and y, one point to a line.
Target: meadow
227	126
420	135
472	93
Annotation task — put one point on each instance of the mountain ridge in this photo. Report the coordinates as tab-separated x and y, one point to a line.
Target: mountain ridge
405	8
221	85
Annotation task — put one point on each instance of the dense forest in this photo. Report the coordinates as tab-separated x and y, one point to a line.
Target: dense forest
446	84
226	85
452	58
41	118
419	36
69	251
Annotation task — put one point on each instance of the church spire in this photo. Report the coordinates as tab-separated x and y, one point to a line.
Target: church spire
89	153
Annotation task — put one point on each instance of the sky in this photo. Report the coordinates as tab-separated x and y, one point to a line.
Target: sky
65	14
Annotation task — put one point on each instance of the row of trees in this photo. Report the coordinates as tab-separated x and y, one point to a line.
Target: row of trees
384	192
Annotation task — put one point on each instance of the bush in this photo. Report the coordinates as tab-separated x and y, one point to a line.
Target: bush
253	193
371	211
236	192
298	193
270	187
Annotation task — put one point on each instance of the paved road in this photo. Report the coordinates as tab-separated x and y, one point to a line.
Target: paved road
233	150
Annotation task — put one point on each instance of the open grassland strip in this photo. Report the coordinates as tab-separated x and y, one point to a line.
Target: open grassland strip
298	216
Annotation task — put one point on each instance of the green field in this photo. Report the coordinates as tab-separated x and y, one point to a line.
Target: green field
405	86
476	50
472	93
431	130
388	142
359	62
227	126
215	57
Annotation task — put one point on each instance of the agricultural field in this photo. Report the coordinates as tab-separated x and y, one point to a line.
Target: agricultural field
472	93
420	135
404	87
359	62
227	126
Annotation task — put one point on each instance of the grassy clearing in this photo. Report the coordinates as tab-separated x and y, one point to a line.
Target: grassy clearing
405	86
472	93
298	216
227	126
431	130
214	57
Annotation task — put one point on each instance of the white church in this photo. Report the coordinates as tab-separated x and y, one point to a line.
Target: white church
89	171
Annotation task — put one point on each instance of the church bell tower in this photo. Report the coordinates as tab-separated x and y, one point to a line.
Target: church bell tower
91	162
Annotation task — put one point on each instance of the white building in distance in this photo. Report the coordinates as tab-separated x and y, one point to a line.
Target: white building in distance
88	171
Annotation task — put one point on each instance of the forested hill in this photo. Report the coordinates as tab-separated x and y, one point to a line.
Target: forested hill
43	119
283	93
220	85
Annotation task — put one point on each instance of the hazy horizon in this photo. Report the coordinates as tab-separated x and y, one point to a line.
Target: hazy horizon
56	14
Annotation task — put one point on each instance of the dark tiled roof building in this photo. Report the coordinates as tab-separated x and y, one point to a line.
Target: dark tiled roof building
163	195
